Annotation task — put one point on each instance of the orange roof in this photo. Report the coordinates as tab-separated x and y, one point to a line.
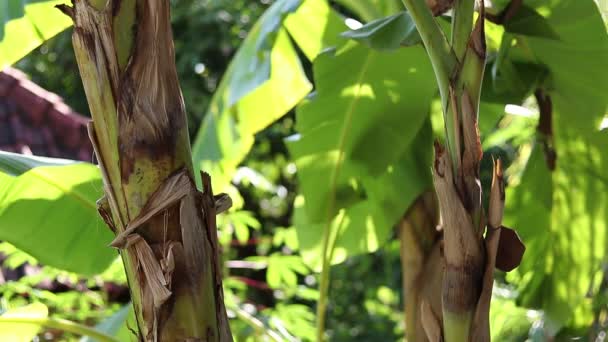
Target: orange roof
36	121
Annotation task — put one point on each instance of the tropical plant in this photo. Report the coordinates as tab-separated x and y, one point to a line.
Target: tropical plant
519	80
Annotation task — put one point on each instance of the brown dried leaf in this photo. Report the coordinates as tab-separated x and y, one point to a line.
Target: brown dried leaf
192	235
472	153
439	7
223	202
209	213
481	323
169	193
462	247
151	269
510	250
103	208
110	197
477	41
167	264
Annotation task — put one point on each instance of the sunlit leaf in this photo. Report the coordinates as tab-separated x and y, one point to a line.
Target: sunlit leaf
354	135
25	24
13	331
509	322
50	212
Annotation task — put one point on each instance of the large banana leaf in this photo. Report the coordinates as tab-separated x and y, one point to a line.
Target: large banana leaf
263	81
355	147
47	209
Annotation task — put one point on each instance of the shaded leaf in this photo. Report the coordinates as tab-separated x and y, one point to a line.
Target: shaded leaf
369	10
529	22
314	27
509	323
387	33
576	62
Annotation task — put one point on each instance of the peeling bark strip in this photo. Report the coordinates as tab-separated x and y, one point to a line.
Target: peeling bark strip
421	263
462	248
165	229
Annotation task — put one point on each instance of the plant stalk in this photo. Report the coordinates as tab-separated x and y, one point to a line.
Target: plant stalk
165	229
456	173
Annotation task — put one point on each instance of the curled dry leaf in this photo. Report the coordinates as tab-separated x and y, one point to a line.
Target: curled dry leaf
438	7
481	323
510	250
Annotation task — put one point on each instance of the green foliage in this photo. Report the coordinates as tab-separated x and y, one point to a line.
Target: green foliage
25	24
387	33
560	213
273	80
359	156
353	142
37	196
509	322
21	332
117	325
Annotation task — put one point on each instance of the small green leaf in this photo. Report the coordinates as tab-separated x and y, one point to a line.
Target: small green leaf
283	269
387	33
241	221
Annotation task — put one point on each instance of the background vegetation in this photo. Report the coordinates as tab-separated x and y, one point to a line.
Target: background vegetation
272	268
